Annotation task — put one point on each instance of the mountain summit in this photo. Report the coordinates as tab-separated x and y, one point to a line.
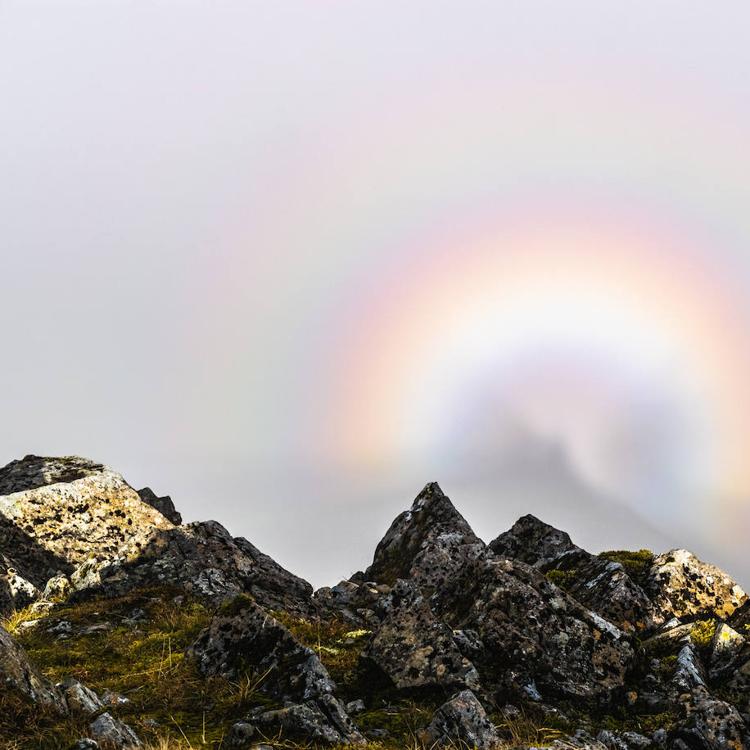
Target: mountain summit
124	628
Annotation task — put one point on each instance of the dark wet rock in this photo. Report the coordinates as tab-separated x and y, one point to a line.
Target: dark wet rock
246	636
533	633
425	544
19	676
111	732
534	542
204	559
68	509
681	585
164	505
462	721
413	648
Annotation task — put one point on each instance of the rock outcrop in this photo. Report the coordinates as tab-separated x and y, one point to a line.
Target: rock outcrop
245	636
438	639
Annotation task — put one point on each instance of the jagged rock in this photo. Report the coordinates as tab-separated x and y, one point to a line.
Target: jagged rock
241	734
15	591
681	585
313	721
416	650
111	732
426	544
71	508
18	675
164	505
689	674
533	633
462	721
534	542
204	559
354	602
85	744
246	636
600	585
581	739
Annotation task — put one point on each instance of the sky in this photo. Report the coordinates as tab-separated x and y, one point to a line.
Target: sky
287	262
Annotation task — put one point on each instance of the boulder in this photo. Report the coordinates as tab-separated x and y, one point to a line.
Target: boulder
681	585
164	505
204	559
414	649
245	636
711	724
462	722
71	509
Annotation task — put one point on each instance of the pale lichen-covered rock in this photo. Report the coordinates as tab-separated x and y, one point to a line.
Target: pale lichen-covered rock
462	722
72	508
416	650
681	585
624	740
204	559
727	649
19	676
245	636
425	544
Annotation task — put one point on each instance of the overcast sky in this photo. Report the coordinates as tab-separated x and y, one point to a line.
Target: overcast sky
288	262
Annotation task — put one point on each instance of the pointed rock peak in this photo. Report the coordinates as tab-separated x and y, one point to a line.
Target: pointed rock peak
534	542
432	523
32	472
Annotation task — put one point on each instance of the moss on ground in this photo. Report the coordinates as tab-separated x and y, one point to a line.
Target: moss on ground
636	563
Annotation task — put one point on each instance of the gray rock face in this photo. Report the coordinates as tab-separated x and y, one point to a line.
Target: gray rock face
534	542
416	650
18	675
598	584
204	559
426	544
164	505
247	636
532	632
681	585
462	721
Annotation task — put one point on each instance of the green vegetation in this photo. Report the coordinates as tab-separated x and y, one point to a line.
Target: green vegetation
636	564
702	633
564	579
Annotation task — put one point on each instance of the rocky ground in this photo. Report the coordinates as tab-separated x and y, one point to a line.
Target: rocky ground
124	628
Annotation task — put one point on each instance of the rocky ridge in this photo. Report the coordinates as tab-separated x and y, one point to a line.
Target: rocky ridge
124	626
